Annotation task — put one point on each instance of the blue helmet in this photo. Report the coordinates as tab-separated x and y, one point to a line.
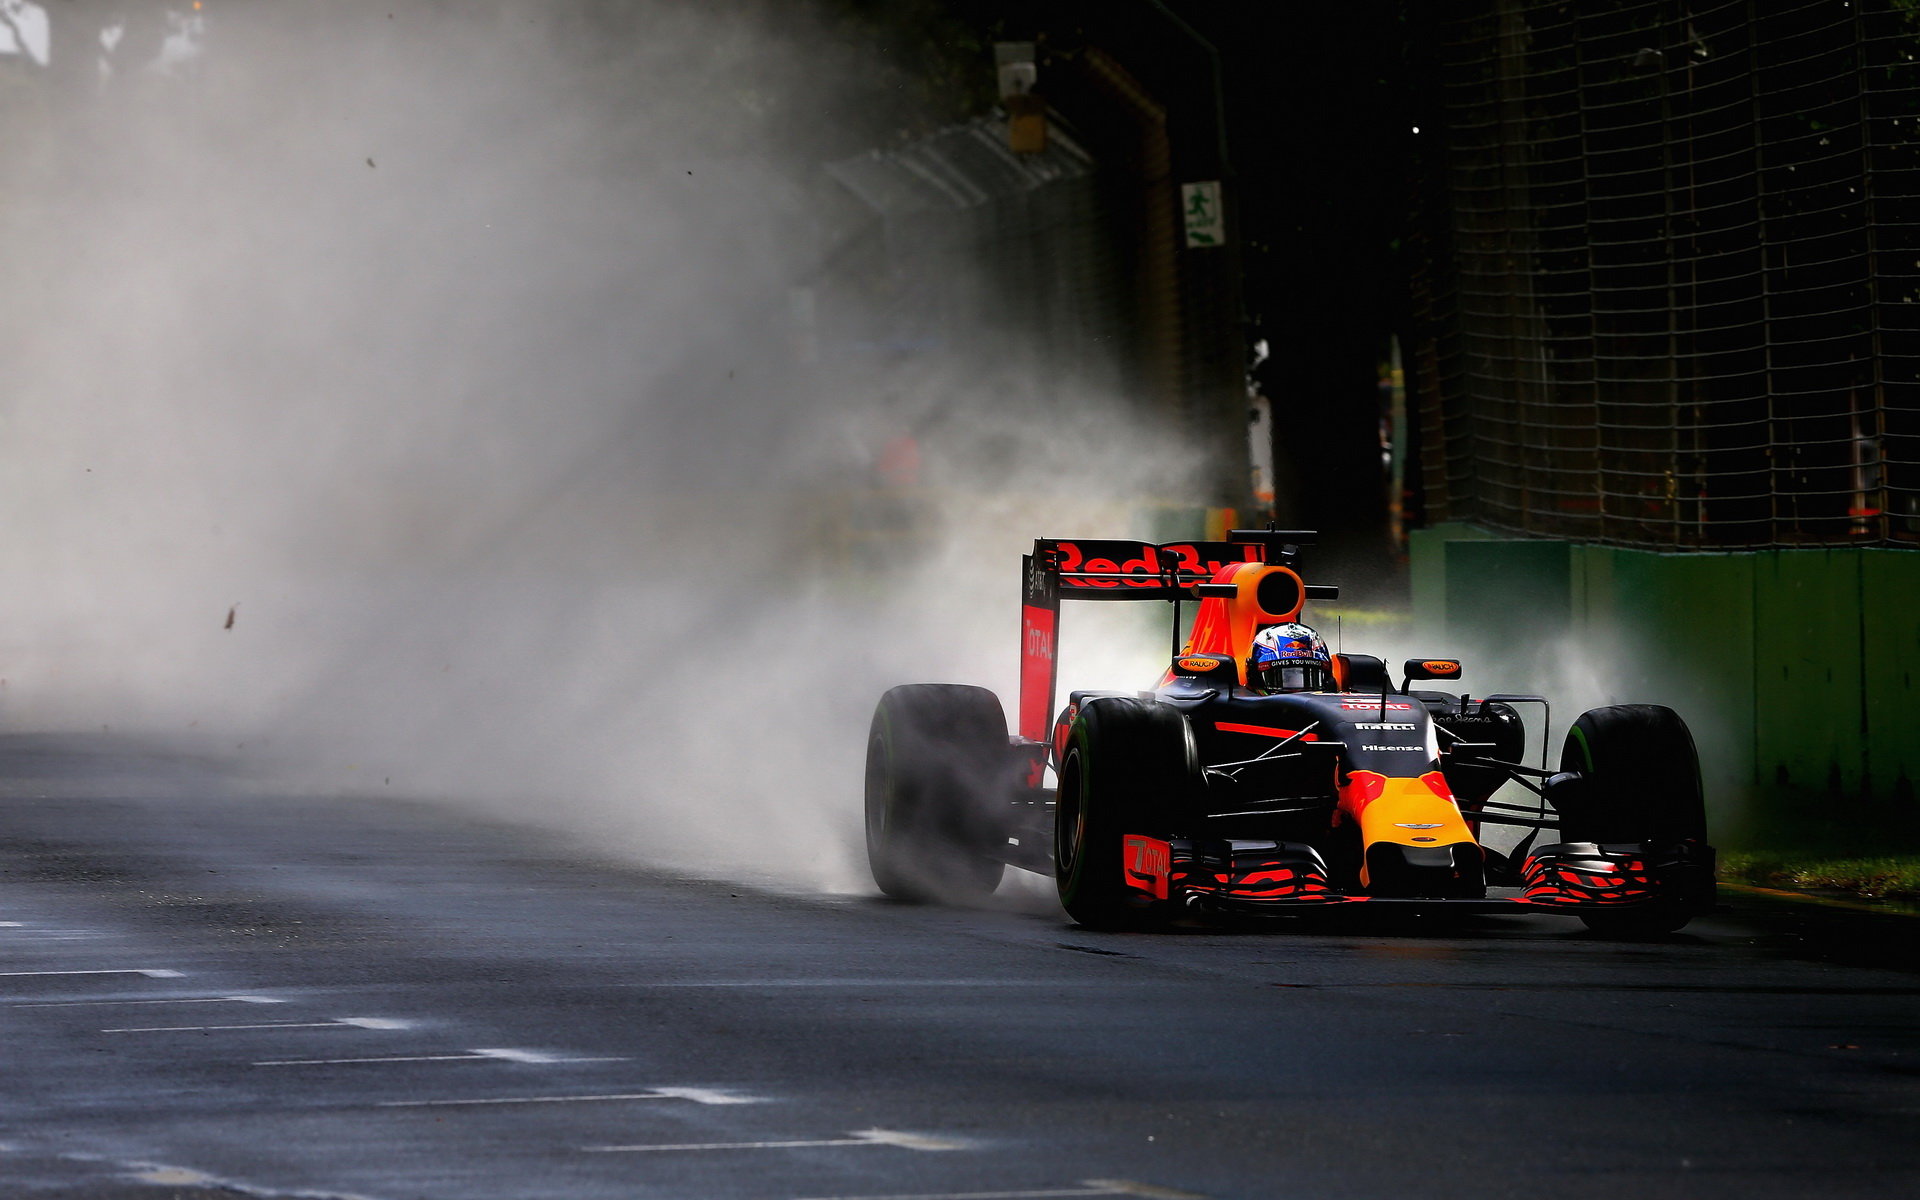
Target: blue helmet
1289	658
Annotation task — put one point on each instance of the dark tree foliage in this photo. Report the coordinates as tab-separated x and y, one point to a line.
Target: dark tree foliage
831	77
1318	107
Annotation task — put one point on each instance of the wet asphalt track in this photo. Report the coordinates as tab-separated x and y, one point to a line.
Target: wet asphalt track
208	994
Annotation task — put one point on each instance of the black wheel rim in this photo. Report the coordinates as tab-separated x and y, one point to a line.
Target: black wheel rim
1070	822
879	793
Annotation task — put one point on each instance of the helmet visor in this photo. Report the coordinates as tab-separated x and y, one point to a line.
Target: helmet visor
1293	675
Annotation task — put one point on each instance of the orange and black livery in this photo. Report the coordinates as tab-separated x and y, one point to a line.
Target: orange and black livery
1209	793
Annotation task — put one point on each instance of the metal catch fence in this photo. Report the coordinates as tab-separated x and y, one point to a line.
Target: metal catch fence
1670	295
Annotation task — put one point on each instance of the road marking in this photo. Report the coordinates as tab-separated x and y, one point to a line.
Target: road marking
494	1054
339	1023
168	1176
541	1056
211	1028
174	1177
335	1062
1089	1187
697	1095
708	1095
1026	1195
175	1000
150	973
860	1137
758	984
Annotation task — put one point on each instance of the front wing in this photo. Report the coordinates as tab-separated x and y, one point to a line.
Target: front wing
1254	877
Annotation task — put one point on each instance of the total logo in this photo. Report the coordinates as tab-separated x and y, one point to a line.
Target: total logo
1374	706
1406	728
1037	644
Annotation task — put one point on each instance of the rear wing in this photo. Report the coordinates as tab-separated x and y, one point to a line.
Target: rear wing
1106	569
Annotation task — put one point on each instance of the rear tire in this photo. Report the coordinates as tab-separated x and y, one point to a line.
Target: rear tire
938	792
1640	783
1128	765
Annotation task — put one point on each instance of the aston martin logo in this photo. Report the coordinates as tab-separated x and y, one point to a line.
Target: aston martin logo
1416	824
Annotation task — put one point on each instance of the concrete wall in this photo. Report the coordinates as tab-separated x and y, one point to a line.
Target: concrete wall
1796	668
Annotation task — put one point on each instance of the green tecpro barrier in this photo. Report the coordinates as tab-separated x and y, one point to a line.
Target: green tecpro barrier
1795	668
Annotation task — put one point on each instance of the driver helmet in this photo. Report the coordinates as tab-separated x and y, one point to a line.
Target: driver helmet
1289	658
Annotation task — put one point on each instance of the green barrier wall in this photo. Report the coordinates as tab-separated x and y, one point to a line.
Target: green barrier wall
1795	668
1890	653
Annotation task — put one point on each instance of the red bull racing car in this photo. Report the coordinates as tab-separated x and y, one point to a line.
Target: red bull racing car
1265	775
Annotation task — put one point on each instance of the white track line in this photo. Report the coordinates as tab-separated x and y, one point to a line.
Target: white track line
1090	1187
175	1000
535	1056
696	1095
211	1028
166	1176
150	973
335	1062
494	1054
708	1095
338	1023
1038	1192
857	982
861	1137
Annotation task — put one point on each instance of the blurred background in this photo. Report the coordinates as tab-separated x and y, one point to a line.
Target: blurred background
581	410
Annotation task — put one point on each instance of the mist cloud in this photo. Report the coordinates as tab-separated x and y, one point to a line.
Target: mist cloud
408	404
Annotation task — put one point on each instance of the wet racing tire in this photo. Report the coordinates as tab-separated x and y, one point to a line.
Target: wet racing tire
1638	922
1128	763
938	792
1639	783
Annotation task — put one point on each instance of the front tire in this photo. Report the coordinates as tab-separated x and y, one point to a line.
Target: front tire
938	787
1128	764
1638	922
1639	782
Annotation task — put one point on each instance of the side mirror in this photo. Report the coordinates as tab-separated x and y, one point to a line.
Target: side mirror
1571	796
1430	668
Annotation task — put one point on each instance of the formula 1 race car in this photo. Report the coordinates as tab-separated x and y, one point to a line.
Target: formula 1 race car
1264	775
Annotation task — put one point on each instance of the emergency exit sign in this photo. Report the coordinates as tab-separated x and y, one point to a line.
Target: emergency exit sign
1200	212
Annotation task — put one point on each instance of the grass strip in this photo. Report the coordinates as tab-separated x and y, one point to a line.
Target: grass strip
1892	877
